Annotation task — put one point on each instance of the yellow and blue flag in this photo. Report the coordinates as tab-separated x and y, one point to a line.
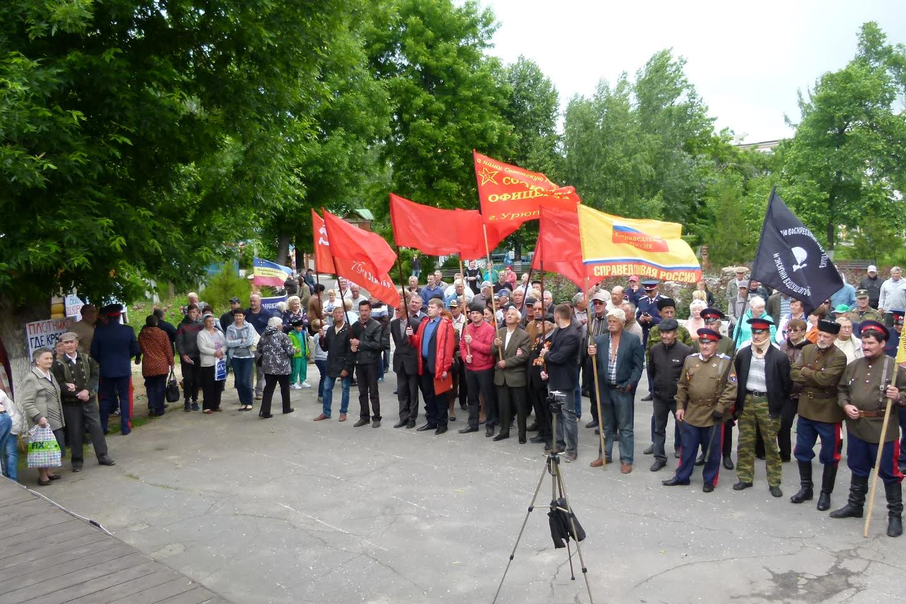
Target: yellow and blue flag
270	273
615	247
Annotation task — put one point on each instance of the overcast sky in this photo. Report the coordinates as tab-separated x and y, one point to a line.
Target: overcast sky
747	60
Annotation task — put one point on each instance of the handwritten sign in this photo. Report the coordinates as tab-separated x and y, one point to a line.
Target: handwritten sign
45	333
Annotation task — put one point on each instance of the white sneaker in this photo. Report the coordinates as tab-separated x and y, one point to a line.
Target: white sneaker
304	385
296	387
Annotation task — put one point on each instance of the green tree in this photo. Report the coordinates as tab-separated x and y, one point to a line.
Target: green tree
139	137
845	162
445	98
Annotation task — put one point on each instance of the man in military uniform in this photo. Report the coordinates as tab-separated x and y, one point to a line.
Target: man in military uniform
713	319
764	377
667	309
706	393
818	370
862	311
863	391
648	315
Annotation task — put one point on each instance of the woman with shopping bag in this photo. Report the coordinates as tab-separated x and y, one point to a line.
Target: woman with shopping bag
212	347
39	397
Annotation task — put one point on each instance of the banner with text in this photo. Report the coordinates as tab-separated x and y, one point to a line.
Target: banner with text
45	333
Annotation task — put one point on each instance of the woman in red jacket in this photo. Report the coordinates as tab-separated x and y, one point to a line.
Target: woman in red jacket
157	360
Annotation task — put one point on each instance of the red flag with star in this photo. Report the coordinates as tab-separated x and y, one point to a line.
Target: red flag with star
510	195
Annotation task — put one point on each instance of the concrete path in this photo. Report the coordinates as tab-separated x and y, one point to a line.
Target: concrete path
288	510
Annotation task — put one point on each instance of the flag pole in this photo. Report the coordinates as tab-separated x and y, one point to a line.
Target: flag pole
594	370
484	229
874	477
399	265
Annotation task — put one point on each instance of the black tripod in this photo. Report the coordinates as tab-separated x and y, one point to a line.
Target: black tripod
558	493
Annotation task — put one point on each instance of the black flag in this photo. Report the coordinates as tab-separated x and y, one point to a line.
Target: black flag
790	258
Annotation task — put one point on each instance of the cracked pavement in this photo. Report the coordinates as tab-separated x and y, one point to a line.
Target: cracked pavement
294	511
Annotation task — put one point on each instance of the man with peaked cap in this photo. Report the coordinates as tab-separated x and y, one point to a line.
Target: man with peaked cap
764	388
713	319
818	371
667	309
113	347
77	374
863	393
648	315
596	326
863	311
666	360
706	394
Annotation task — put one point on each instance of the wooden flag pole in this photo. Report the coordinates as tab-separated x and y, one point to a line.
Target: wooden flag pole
487	250
594	370
874	477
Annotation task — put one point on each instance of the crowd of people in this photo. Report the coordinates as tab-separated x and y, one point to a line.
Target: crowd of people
504	351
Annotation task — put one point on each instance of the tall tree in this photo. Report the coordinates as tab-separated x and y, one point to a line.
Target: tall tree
445	98
140	135
845	162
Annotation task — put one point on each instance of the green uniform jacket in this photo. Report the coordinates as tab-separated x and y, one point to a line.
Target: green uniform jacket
861	386
516	356
701	389
654	337
818	372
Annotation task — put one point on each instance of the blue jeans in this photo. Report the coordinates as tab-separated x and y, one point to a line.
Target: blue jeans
327	394
9	454
617	408
567	429
242	370
321	364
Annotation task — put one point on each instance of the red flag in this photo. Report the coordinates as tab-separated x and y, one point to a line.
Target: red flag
349	241
559	246
323	259
357	258
512	195
441	232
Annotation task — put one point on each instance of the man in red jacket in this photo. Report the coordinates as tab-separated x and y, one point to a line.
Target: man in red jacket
475	350
434	341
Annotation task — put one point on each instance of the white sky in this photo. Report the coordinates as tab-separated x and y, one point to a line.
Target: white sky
747	60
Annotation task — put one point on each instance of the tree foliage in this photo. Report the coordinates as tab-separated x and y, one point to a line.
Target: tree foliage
845	162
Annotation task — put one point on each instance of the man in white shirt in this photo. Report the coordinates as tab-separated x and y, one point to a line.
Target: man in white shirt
846	341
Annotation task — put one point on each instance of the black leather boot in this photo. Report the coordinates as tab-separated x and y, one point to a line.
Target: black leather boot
806	488
894	492
853	508
827	486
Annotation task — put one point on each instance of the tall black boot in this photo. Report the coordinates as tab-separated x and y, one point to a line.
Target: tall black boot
853	508
806	489
894	492
827	486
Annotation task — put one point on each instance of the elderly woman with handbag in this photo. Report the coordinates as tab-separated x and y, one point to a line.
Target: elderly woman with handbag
277	352
39	396
12	424
157	363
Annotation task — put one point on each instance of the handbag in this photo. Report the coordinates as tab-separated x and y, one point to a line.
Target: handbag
220	370
172	388
255	338
43	448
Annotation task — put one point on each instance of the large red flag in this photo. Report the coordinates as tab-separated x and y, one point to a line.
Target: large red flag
441	232
559	246
512	195
323	259
356	259
349	241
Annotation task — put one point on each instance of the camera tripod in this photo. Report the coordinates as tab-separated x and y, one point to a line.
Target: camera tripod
558	491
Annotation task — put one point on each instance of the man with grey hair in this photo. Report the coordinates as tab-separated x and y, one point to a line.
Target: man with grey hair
631	326
77	373
84	329
617	297
620	358
893	295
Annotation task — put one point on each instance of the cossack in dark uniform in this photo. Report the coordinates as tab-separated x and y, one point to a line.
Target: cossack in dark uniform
818	371
113	347
862	393
706	394
727	347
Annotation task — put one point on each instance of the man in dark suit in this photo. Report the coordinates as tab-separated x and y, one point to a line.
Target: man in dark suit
114	347
621	358
666	364
763	372
561	371
434	341
405	365
511	350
